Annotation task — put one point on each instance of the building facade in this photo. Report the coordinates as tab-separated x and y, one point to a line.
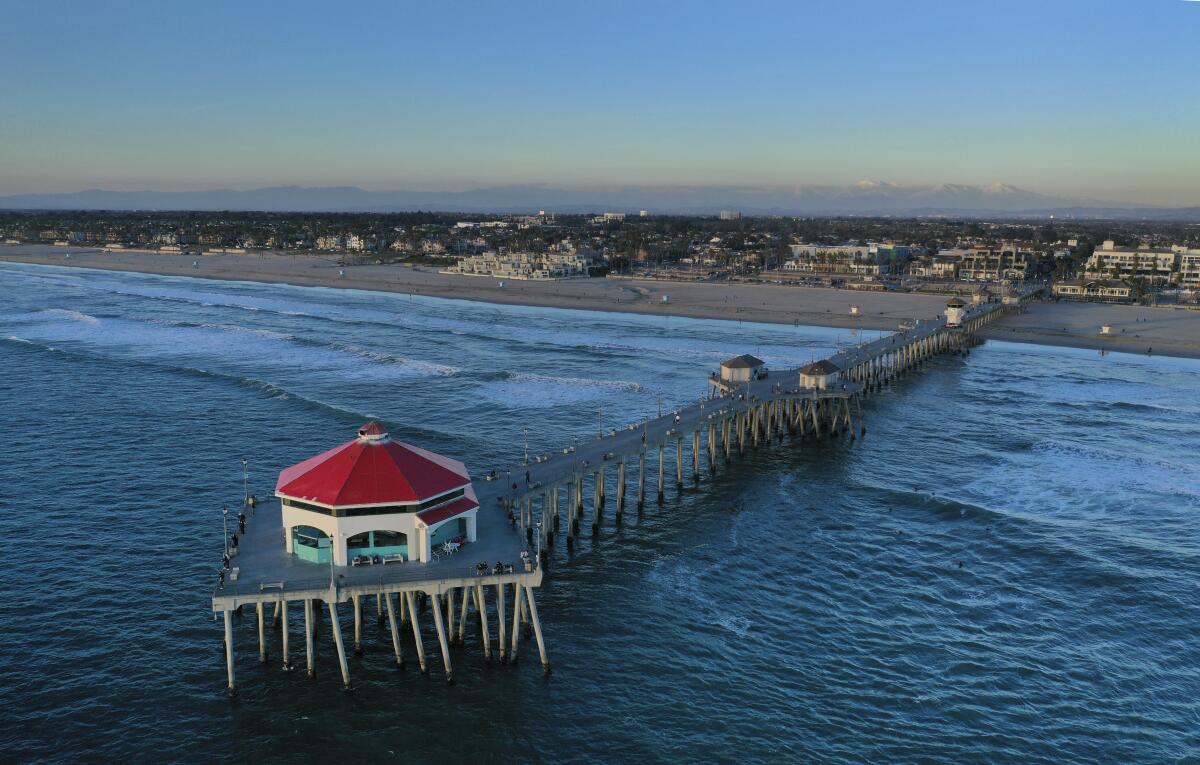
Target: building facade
1094	290
1156	266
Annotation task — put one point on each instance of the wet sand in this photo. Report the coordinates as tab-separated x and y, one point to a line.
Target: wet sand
1165	331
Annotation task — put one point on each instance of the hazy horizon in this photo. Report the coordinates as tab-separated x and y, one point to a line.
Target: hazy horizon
1087	99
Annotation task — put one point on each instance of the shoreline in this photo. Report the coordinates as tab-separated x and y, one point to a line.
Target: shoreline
1166	331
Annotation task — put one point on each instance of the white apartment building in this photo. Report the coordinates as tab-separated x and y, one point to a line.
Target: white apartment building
524	265
1113	262
1189	269
934	268
992	264
329	242
837	259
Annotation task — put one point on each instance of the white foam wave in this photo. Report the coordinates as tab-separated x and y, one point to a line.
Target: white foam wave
247	330
229	348
526	390
69	315
584	382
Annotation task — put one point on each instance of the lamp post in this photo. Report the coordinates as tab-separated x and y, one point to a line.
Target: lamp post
245	485
525	431
600	421
225	525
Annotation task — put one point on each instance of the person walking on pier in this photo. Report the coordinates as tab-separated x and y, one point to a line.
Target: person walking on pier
241	522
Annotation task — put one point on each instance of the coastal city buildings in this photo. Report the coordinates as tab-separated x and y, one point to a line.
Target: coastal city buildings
1161	263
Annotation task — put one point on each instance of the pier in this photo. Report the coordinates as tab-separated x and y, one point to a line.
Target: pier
514	518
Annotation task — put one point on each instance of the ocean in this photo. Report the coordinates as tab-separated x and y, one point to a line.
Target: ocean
1004	569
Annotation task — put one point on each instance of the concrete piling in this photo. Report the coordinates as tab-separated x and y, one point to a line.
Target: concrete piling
416	630
395	630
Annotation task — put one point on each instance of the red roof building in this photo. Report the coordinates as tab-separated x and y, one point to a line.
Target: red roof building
375	498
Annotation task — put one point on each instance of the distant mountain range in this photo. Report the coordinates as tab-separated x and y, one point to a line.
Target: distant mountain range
864	198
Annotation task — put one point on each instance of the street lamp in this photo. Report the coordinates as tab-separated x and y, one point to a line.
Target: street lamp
245	485
526	432
225	525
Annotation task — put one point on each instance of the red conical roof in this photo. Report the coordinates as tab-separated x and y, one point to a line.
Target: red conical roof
372	470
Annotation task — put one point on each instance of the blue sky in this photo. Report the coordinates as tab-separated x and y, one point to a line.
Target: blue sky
1099	98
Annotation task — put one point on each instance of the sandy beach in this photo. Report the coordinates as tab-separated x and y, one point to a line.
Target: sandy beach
1136	329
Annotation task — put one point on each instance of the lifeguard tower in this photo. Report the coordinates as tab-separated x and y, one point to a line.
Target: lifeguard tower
955	310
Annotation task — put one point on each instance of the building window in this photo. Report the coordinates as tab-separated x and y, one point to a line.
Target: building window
311	544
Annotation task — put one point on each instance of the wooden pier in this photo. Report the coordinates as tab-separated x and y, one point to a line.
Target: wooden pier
525	510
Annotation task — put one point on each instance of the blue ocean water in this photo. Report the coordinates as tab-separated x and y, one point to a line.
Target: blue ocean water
1005	569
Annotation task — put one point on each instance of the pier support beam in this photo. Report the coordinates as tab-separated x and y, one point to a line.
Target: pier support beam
661	456
481	607
358	625
516	625
336	628
500	609
641	500
597	500
416	630
679	464
462	616
229	651
440	626
391	615
696	455
308	637
450	615
537	629
283	621
262	635
620	490
712	448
